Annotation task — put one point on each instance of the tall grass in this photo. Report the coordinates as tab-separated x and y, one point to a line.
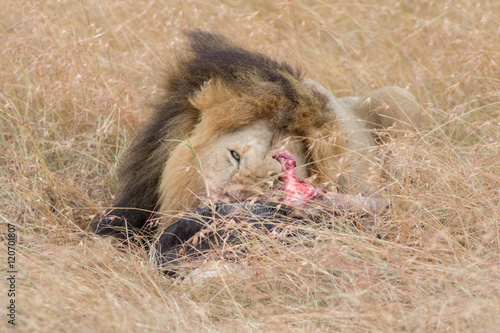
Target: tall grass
74	79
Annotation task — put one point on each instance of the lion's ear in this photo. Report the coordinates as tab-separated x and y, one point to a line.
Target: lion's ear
212	93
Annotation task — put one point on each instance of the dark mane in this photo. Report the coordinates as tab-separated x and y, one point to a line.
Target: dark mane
216	57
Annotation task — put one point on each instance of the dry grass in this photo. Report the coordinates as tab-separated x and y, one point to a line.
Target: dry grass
74	76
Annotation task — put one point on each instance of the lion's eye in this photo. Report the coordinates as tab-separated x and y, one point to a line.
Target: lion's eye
235	155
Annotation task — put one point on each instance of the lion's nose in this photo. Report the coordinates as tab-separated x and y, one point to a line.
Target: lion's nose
276	175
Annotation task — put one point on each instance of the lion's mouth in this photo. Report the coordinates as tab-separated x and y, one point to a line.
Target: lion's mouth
301	193
245	188
283	187
237	191
288	189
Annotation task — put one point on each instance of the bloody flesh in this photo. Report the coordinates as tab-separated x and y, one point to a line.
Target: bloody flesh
300	193
296	191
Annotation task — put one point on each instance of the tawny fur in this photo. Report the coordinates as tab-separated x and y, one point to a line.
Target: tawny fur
214	95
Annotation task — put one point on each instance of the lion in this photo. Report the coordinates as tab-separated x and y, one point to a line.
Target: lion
223	111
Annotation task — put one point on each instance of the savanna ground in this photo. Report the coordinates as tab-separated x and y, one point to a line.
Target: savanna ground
75	76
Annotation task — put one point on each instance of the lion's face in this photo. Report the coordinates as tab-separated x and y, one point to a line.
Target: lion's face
233	166
239	164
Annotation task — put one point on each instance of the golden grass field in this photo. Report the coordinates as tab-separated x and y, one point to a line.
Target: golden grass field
75	77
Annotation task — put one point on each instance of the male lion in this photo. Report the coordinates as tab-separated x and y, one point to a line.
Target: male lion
223	112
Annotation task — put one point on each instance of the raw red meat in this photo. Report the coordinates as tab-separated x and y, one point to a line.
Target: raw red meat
300	193
296	191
